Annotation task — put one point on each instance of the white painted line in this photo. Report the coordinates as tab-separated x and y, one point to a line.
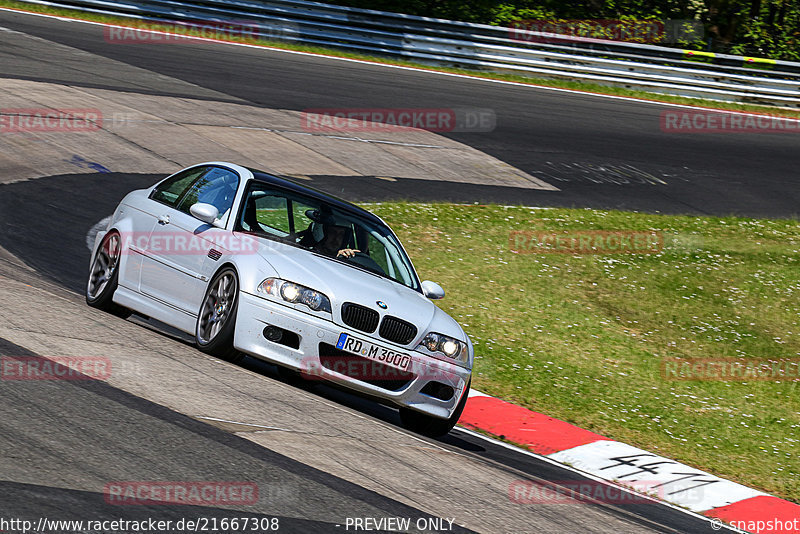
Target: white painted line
378	141
413	69
590	476
670	480
476	393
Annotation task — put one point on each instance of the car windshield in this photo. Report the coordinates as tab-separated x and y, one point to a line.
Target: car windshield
313	224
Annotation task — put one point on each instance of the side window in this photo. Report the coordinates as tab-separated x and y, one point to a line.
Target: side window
274	213
301	221
216	187
171	190
265	212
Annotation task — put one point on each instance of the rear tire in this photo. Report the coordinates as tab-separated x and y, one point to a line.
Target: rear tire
430	426
216	321
104	276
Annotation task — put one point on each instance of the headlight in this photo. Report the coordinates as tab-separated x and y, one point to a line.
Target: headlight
290	292
452	348
294	293
431	342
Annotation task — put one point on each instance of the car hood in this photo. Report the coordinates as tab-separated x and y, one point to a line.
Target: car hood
343	283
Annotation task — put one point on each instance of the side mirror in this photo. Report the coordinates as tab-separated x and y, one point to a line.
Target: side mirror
205	212
432	290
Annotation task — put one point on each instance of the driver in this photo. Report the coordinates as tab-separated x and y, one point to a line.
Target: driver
331	243
324	236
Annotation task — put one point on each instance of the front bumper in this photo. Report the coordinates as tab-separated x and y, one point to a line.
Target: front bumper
255	314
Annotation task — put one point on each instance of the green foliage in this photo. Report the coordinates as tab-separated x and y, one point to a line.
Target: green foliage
773	32
762	28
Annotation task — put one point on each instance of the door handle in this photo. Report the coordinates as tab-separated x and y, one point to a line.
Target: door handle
164	219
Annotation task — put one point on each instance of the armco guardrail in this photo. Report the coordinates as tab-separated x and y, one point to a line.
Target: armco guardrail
477	46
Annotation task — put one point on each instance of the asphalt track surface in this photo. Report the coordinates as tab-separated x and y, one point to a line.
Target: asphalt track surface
563	138
533	126
109	431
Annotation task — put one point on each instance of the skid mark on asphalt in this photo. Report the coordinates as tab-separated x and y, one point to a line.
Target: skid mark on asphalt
598	174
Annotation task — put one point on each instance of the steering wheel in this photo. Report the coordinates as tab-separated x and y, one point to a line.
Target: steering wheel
363	259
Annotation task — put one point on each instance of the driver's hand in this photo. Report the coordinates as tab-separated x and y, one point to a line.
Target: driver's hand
347	253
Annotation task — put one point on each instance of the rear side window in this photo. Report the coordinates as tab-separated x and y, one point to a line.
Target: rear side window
171	190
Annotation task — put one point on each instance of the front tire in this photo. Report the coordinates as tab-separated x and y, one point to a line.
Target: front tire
216	321
104	276
430	426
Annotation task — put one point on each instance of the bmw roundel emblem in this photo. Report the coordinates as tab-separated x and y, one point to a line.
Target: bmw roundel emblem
382	305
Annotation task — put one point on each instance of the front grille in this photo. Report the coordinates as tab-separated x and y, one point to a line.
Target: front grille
397	330
359	317
363	369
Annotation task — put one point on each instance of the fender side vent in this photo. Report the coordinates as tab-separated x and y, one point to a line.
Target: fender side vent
214	254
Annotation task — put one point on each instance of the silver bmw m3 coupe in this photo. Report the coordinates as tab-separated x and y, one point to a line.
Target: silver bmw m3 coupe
250	263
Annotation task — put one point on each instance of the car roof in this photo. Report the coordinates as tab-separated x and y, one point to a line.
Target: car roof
295	187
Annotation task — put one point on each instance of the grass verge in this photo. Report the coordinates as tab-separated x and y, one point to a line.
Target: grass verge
583	337
543	82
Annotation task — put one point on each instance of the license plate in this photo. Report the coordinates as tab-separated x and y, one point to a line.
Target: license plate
366	349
